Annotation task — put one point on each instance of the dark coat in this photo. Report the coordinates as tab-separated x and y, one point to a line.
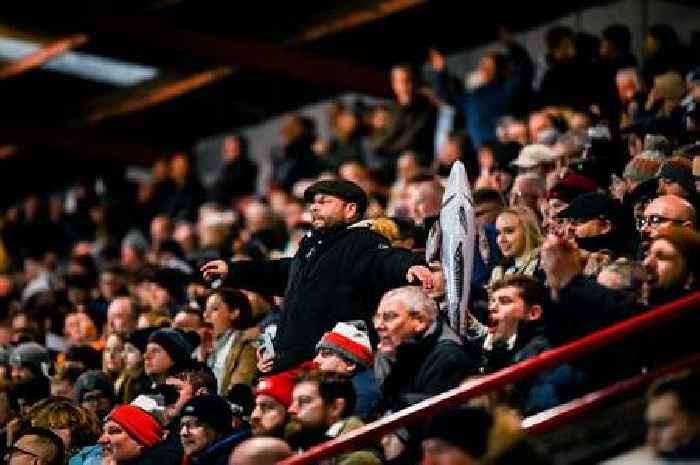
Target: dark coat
425	367
167	452
337	275
546	390
234	180
217	452
412	127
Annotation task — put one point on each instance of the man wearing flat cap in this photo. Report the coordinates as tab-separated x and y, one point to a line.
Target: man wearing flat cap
338	274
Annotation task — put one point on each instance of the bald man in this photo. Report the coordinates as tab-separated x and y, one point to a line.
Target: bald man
666	209
260	451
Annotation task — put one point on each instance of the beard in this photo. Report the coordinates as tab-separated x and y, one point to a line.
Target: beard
325	221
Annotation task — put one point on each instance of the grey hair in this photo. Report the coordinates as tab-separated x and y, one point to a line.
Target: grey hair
417	302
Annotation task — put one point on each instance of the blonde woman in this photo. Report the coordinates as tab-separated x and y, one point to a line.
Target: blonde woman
519	239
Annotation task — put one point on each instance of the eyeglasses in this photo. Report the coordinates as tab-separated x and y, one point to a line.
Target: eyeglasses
654	221
14	450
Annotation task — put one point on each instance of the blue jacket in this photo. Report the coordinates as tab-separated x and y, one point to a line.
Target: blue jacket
218	451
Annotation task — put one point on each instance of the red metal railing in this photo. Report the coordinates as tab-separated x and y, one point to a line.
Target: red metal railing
555	417
509	375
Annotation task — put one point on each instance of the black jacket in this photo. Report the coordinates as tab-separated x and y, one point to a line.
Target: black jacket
337	275
424	367
167	452
541	392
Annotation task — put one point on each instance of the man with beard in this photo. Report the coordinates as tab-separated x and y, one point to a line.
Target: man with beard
273	396
666	209
321	409
672	264
338	274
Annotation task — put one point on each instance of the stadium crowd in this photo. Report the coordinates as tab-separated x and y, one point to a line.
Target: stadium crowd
179	323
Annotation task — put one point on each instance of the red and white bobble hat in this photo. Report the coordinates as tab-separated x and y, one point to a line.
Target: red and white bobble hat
350	341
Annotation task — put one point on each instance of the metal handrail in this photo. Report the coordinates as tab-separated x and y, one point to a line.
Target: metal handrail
508	375
560	415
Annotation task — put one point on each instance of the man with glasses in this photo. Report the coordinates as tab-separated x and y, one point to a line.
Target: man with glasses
36	446
667	209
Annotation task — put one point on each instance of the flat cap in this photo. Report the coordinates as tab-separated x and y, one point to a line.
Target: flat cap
340	188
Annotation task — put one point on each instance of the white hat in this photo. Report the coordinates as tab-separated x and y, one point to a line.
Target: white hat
533	155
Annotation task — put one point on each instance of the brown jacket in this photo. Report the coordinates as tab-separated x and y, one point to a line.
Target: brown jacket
241	364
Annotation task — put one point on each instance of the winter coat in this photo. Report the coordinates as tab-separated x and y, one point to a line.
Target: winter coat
234	180
241	364
368	394
546	390
412	127
423	367
217	452
336	275
167	452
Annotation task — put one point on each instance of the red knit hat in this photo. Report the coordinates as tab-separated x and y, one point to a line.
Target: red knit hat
350	341
278	386
141	426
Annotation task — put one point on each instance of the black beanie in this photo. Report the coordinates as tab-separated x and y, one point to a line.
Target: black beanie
211	410
462	426
178	346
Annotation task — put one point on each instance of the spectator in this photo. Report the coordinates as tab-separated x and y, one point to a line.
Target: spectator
496	90
94	390
233	359
295	160
663	52
367	258
515	333
347	351
528	191
322	409
167	351
133	380
413	119
237	175
28	361
671	263
41	444
273	396
113	355
129	435
444	441
519	239
418	355
598	222
673	419
615	47
205	430
74	424
194	380
121	315
663	210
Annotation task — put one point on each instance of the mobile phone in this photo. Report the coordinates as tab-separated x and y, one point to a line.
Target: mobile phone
265	345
